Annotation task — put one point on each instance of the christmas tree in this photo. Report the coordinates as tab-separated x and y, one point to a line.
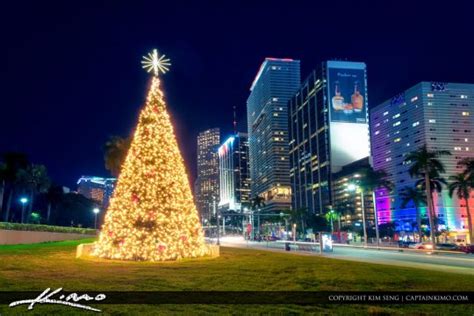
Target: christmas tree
152	215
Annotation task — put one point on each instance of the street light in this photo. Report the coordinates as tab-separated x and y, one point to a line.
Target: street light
96	211
23	202
355	187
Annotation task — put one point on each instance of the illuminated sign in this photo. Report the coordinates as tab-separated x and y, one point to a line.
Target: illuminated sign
347	105
347	95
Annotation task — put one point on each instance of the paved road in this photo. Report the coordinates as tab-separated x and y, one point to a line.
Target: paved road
447	262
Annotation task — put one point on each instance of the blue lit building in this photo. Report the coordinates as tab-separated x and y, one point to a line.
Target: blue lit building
234	173
267	118
438	115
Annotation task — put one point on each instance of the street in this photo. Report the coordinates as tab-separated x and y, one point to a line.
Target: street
447	262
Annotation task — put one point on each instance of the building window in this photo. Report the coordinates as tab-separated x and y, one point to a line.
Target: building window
457	148
430	95
377	132
432	121
396	140
396	123
415	124
465	113
414	99
396	116
385	113
463	96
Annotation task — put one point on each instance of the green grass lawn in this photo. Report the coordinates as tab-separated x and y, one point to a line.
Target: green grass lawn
37	267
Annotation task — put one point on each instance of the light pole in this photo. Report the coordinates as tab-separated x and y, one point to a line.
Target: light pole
23	202
355	187
218	218
294	232
96	211
376	219
243	221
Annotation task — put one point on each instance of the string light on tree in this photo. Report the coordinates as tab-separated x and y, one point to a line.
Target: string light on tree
152	215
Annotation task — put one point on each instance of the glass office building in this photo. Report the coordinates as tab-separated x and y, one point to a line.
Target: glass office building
267	118
234	173
328	129
438	115
207	183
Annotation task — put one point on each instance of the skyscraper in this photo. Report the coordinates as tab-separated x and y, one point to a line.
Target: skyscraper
328	129
207	182
267	118
96	188
438	115
234	173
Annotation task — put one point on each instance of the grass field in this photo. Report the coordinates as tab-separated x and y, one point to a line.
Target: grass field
37	267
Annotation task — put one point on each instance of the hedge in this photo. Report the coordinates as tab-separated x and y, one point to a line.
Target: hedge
47	228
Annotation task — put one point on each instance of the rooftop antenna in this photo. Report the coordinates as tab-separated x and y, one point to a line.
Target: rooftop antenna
235	121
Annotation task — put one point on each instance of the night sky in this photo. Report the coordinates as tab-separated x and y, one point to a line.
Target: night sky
71	75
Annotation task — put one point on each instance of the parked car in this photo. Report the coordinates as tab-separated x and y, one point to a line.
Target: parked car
467	248
421	245
405	244
446	246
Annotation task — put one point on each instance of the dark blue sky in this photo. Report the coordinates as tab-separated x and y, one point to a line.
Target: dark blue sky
71	75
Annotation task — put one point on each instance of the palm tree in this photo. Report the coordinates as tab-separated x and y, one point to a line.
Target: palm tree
53	196
116	149
370	181
34	179
13	162
3	168
468	164
298	216
426	164
417	196
463	184
257	203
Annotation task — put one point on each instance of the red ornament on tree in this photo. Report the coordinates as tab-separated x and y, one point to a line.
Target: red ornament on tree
161	248
135	198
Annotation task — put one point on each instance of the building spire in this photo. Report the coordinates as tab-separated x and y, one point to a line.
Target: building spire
235	120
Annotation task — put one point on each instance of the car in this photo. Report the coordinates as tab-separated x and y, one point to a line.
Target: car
405	244
467	248
446	246
421	245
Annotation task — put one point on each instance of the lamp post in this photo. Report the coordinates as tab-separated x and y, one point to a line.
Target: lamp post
96	211
218	218
23	202
355	187
243	220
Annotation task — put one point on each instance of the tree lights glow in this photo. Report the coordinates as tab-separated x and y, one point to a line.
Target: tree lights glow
156	63
152	215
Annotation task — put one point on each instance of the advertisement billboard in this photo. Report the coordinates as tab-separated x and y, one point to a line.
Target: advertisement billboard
347	104
347	95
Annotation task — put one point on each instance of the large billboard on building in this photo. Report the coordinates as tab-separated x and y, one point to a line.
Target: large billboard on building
347	96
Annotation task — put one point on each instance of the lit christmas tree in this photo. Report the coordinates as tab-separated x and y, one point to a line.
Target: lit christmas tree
152	215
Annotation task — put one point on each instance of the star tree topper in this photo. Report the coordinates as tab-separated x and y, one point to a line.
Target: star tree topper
154	62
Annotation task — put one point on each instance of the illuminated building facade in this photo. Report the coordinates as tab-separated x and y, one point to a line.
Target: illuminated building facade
207	182
234	173
96	188
267	118
438	115
328	129
348	203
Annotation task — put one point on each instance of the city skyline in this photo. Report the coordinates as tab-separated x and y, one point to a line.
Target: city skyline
103	93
